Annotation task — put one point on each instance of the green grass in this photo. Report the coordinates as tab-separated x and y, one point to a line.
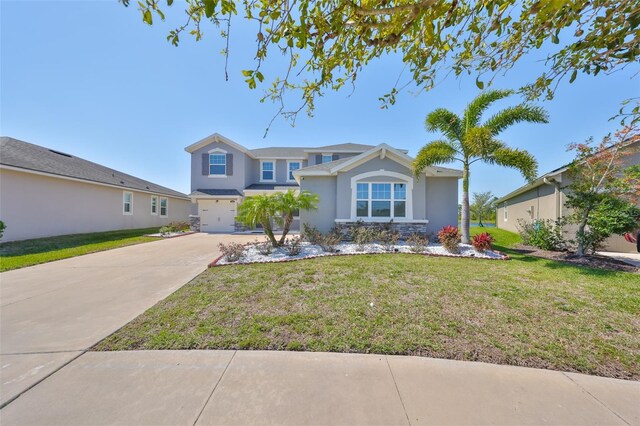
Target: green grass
18	254
526	311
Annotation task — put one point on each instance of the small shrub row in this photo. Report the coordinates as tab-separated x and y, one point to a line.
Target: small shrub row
231	252
545	234
176	226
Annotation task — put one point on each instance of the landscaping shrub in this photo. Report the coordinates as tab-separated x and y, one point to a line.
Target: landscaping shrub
265	248
544	234
232	252
311	234
362	236
388	239
165	230
2	228
417	242
449	237
482	242
179	226
330	240
292	246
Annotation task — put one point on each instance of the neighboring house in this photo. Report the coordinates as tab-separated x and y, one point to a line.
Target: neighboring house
354	183
545	198
44	192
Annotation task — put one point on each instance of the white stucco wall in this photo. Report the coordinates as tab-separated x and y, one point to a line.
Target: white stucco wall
34	206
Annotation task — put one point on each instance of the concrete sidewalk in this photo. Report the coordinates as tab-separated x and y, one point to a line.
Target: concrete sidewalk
257	387
51	313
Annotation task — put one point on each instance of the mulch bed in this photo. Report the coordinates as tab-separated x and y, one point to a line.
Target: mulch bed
590	260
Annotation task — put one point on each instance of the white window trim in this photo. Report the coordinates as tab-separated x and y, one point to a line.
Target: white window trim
166	214
398	178
218	151
289	171
154	197
274	170
124	197
326	154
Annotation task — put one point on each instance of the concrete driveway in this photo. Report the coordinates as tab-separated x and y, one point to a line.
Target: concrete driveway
51	313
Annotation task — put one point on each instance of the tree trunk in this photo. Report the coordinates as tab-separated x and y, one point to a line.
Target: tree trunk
266	225
465	205
285	228
580	250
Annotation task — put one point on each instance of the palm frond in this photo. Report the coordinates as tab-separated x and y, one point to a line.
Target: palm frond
436	152
517	114
446	122
479	105
516	159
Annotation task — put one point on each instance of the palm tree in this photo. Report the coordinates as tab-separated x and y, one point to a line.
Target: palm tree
259	209
279	208
468	141
288	204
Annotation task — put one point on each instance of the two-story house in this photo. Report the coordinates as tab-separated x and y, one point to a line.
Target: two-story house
354	182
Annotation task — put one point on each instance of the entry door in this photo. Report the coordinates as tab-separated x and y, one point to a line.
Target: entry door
217	215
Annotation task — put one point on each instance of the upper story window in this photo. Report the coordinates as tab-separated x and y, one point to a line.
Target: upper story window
293	165
217	164
154	205
267	170
327	158
127	202
164	206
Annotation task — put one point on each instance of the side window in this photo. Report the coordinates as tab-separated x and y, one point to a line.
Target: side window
506	212
293	165
267	171
154	205
164	206
127	202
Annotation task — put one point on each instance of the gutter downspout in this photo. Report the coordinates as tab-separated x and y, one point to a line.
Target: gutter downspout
556	185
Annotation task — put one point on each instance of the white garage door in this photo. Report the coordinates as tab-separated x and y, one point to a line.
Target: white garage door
217	215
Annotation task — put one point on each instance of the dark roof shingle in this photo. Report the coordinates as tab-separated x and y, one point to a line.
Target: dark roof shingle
24	155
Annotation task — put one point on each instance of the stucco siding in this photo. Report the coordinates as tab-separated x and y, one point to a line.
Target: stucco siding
34	206
237	180
441	203
343	202
312	156
325	188
541	202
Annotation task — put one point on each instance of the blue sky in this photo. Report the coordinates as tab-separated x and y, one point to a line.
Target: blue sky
89	78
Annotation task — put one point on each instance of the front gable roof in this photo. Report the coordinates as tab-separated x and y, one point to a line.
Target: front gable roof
217	137
383	151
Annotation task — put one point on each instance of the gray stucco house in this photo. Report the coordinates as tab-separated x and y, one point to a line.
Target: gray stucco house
545	198
353	181
44	192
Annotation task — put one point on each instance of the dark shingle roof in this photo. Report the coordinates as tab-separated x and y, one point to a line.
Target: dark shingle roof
345	147
24	155
270	186
279	152
326	166
220	192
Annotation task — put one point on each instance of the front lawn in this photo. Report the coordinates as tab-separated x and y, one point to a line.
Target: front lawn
18	254
526	311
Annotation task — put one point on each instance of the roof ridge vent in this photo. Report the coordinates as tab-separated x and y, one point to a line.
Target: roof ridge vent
64	154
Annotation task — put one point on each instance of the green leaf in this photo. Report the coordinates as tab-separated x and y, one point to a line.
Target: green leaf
209	7
573	76
147	18
169	2
259	76
479	83
247	73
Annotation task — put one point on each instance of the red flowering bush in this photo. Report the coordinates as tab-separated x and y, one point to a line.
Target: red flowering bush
449	237
482	242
